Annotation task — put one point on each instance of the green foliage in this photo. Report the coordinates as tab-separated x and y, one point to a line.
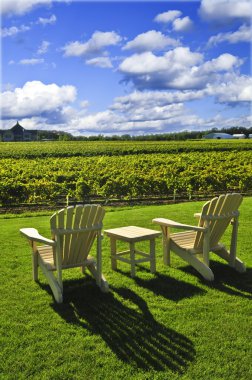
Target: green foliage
118	174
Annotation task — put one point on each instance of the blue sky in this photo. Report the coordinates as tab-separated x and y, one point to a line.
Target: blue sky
134	67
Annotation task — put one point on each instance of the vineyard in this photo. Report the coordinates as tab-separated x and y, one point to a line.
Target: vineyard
45	172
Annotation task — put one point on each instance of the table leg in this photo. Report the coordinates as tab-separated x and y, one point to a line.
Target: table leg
132	259
152	256
113	253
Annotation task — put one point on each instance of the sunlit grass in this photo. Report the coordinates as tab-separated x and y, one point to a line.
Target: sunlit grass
171	325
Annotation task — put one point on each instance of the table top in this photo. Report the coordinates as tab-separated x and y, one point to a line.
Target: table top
132	233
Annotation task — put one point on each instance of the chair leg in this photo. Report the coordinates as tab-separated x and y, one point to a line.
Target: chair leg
54	285
103	285
200	266
235	263
166	245
35	265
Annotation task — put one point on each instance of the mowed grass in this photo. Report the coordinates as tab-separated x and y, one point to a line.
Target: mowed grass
171	325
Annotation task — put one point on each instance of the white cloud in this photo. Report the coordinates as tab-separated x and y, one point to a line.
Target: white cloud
20	6
45	21
94	45
43	48
236	90
103	62
224	11
84	103
177	69
35	99
151	40
182	24
167	17
13	30
243	34
31	61
224	62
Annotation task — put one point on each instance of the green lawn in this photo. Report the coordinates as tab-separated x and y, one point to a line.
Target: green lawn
172	325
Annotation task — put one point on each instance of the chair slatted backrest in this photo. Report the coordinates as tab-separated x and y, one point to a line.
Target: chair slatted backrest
75	228
218	213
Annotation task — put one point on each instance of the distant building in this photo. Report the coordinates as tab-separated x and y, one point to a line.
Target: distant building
18	133
216	135
239	136
250	136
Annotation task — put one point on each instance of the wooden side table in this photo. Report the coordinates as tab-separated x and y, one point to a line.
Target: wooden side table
132	235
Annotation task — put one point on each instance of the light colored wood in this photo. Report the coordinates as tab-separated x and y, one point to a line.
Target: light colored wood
195	244
132	235
73	231
113	253
132	259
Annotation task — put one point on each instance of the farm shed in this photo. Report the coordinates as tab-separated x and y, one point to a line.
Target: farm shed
216	135
239	136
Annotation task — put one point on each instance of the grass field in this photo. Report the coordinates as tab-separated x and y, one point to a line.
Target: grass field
171	325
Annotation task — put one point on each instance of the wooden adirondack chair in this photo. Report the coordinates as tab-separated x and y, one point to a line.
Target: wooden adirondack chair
195	244
74	230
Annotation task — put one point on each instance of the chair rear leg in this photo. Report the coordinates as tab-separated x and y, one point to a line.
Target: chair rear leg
235	262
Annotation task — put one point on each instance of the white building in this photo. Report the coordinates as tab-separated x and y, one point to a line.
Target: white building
217	135
239	136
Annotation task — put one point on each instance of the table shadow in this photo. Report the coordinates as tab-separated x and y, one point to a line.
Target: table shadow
166	286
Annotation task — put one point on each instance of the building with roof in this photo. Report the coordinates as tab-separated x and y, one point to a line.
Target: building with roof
18	133
218	135
239	136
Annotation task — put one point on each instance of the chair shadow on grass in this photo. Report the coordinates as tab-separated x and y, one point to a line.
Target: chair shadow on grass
166	286
124	322
226	279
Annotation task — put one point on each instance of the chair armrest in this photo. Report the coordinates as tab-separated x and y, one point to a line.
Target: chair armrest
172	223
33	235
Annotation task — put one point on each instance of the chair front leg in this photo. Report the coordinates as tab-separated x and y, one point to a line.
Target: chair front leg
166	245
34	261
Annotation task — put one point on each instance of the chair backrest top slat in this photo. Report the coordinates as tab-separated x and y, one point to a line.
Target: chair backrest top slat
217	214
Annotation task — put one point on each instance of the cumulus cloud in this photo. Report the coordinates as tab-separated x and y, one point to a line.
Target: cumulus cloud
94	45
20	7
237	89
43	48
14	30
45	21
224	11
243	34
177	69
179	24
182	24
149	41
167	17
35	99
103	62
31	61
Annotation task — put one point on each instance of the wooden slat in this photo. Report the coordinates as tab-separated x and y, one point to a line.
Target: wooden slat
75	238
80	246
68	225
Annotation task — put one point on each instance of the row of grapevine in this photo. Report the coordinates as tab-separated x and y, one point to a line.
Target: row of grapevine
119	148
44	179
